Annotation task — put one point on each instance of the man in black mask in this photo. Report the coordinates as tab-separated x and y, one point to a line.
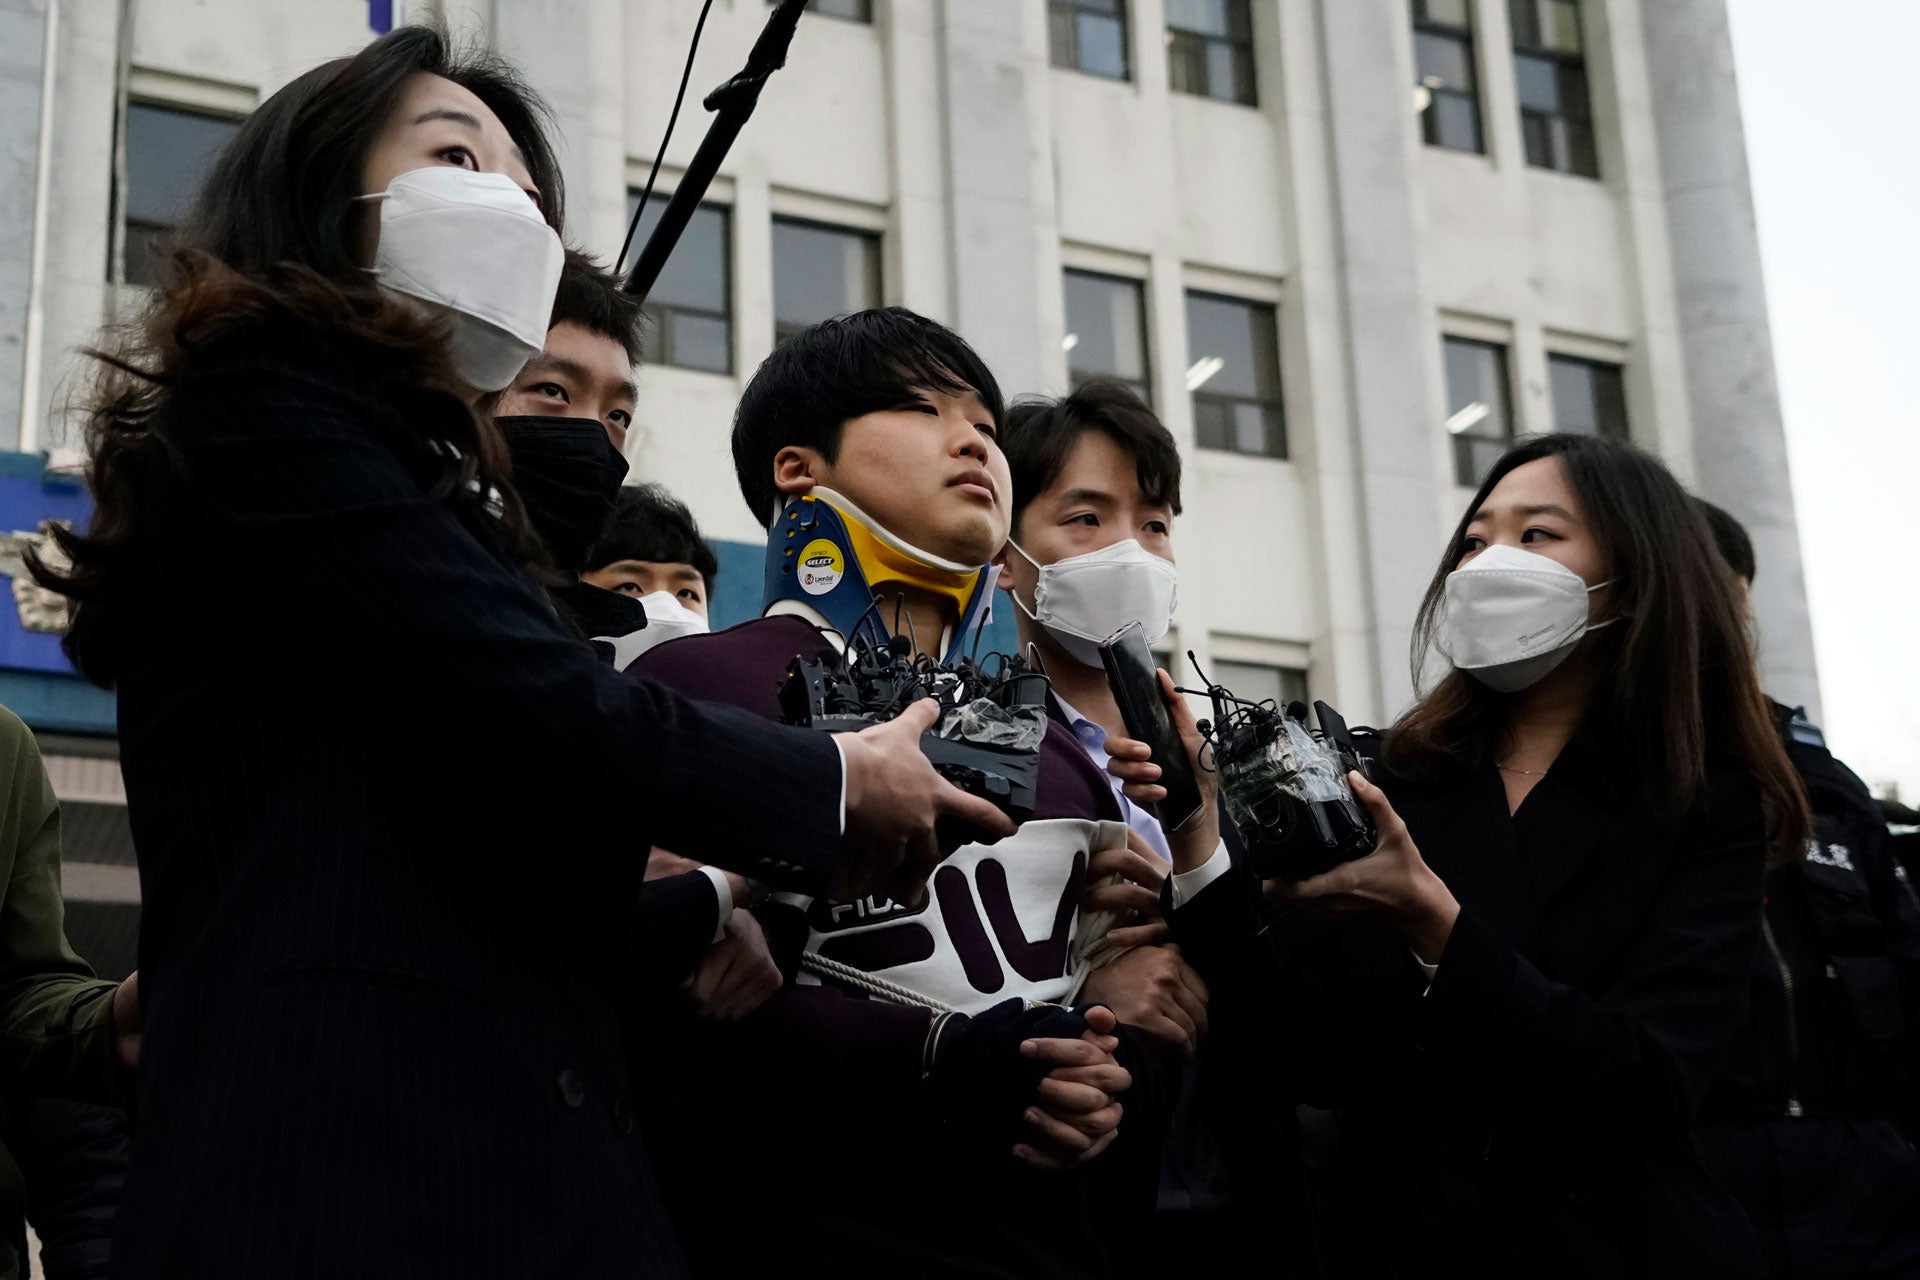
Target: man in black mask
565	420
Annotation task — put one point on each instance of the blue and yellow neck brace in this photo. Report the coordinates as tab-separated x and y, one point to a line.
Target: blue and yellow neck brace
830	556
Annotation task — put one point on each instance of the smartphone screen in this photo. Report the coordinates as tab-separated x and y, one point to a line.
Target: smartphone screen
1135	682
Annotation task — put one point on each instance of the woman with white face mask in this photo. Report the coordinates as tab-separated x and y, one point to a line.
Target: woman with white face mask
391	818
1516	1000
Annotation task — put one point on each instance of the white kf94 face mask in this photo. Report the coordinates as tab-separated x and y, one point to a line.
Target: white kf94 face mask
1512	616
667	619
1084	599
474	244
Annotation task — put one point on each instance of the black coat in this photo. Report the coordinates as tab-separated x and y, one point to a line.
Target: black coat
1529	1113
391	823
1811	1125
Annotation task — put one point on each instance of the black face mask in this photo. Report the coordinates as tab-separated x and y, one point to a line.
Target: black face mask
568	475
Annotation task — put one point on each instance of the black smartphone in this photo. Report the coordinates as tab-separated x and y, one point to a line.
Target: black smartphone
1135	681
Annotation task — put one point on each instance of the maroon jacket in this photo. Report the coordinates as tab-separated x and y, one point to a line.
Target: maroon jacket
807	1120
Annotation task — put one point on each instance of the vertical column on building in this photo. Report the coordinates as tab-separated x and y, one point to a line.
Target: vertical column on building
76	293
569	50
1739	441
1382	326
23	25
987	107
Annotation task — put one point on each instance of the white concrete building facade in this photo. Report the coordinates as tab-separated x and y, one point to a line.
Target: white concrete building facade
1317	232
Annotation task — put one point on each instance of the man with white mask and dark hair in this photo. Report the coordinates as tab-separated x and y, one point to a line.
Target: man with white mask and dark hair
1096	490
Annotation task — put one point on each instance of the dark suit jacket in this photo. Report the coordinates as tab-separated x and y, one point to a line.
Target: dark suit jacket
1530	1113
391	822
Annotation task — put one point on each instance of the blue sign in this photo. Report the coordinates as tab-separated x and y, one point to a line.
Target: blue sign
27	497
36	681
380	15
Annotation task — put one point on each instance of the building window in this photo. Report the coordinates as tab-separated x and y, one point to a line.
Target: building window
820	272
1589	397
1089	36
689	314
1107	330
1449	88
170	152
1550	68
1479	408
851	10
1210	49
1258	682
1235	375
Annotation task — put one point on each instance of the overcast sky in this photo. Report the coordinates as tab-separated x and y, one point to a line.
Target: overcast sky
1827	91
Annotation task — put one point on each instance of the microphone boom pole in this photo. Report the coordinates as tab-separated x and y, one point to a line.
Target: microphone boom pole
732	104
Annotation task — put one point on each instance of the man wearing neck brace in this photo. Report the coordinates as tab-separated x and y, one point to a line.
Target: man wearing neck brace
938	1140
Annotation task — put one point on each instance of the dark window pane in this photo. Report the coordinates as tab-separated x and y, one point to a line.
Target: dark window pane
1106	325
1453	13
1473	457
1257	682
1235	375
1186	63
1062	46
1220	71
1560	25
1103	46
1242	337
1213	423
1581	156
144	249
1538	83
690	311
1524	18
1203	17
820	272
1447	59
1244	90
1589	397
1479	409
1210	49
169	154
1477	380
1574	102
689	340
1453	120
696	273
1537	133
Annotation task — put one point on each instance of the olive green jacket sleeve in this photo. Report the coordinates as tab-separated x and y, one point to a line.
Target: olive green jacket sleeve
56	1018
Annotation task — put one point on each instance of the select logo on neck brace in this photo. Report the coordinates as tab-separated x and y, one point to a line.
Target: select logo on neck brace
828	554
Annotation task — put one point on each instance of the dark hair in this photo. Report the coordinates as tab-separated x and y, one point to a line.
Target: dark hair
651	524
829	373
591	297
1730	536
272	234
1680	680
1040	434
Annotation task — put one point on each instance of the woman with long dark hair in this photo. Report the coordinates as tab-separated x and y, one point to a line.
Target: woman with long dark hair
1515	1001
391	818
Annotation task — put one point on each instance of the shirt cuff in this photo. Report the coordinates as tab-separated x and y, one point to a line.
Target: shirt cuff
841	747
723	896
1428	969
1188	884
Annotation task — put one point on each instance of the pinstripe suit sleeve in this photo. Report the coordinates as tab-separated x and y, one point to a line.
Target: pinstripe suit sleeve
329	545
673	921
